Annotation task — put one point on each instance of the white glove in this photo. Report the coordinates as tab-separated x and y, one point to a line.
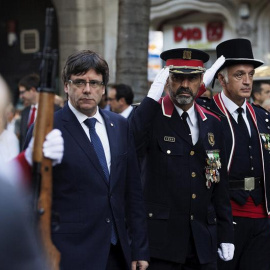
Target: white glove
226	251
210	73
157	86
53	148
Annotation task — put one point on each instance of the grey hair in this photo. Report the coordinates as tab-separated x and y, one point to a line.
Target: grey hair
224	73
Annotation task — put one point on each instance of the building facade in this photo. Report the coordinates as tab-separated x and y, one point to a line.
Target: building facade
92	24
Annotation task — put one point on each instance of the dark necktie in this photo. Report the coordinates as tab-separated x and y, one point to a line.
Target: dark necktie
95	140
184	117
241	122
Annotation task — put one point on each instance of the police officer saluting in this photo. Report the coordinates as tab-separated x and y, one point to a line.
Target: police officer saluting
247	137
181	149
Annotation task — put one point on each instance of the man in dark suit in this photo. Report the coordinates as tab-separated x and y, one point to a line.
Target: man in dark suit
97	188
247	137
28	90
28	86
120	98
181	149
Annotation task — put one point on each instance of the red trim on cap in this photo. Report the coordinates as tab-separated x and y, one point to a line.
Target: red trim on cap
182	62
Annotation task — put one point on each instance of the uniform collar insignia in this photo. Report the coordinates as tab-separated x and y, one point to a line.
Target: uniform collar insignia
167	106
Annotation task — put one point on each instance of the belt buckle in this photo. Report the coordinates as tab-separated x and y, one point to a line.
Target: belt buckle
249	183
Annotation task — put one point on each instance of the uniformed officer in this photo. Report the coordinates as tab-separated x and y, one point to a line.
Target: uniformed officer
247	136
181	149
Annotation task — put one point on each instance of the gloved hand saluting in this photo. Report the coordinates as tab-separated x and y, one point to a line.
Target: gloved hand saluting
226	251
157	86
53	148
210	73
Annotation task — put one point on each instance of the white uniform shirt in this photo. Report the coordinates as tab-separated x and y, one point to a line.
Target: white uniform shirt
192	121
232	108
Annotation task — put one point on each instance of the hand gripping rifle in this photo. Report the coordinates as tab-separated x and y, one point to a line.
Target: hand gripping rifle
42	167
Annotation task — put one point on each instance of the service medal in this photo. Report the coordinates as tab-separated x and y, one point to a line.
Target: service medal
266	140
213	164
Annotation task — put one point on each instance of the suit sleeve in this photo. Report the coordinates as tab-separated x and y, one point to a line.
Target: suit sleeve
136	215
222	200
141	123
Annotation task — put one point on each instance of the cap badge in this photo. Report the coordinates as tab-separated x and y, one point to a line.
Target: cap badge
186	54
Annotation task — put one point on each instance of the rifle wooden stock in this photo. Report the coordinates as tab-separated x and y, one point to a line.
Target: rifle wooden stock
43	167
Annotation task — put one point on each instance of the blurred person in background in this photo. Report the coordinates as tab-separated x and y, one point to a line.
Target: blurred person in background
103	104
28	90
208	93
266	104
9	143
120	98
260	92
20	248
59	101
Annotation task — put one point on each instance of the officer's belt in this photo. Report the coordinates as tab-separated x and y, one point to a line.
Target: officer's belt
248	183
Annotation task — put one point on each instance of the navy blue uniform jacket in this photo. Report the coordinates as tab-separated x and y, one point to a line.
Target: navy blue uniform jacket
178	202
261	120
86	203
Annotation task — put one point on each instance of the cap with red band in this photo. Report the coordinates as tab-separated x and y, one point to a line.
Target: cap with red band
185	60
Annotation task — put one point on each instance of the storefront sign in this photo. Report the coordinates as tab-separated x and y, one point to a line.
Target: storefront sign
190	33
214	32
202	35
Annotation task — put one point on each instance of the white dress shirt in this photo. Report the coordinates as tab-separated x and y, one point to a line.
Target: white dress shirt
232	108
127	111
100	129
192	121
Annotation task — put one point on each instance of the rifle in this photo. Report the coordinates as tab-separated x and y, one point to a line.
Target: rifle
42	167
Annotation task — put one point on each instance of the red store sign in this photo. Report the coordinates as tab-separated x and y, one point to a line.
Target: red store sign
214	32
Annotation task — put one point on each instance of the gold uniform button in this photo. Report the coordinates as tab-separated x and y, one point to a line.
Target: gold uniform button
193	196
150	214
192	153
193	174
168	151
191	217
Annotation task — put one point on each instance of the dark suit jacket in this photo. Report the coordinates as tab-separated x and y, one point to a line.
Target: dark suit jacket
24	124
179	204
87	204
261	120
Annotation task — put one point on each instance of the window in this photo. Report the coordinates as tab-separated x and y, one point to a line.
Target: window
29	41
